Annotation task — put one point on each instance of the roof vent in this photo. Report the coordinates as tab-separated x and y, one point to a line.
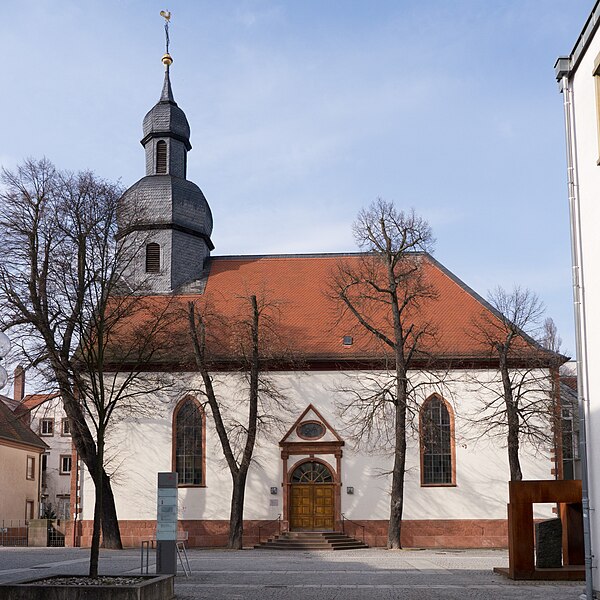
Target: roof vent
347	340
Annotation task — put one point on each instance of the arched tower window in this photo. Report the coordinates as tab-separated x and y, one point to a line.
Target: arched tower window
161	157
188	442
437	443
152	258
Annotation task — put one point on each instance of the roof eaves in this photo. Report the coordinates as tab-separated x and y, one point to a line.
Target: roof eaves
584	39
300	255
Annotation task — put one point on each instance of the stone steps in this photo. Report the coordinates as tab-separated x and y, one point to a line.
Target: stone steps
311	540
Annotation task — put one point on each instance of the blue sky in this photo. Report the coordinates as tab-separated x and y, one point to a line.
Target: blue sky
304	112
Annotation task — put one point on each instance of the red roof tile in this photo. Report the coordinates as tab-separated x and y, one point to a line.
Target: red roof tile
32	401
310	320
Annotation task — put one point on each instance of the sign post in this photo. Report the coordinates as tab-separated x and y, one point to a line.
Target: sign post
166	524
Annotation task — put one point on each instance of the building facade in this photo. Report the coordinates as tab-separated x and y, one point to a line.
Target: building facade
20	470
44	414
578	75
309	470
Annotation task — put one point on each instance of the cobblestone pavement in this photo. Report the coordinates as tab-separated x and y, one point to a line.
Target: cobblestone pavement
350	575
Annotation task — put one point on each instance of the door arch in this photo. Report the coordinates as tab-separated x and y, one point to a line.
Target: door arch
312	502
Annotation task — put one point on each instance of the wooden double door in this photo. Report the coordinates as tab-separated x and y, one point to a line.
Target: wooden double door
312	507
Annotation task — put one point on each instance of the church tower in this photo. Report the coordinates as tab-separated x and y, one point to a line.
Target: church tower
164	220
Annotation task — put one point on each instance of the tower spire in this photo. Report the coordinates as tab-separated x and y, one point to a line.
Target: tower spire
167	60
168	211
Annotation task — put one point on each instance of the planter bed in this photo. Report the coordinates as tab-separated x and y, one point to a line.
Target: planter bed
76	587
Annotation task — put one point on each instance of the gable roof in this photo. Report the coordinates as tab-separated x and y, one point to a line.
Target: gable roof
12	429
310	321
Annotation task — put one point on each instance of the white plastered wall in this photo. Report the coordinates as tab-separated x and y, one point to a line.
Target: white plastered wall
58	484
143	447
587	148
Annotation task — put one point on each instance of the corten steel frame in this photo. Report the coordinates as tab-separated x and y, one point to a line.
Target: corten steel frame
452	482
174	439
523	495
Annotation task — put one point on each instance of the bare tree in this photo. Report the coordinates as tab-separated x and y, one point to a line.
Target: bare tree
384	292
247	346
550	338
63	297
517	403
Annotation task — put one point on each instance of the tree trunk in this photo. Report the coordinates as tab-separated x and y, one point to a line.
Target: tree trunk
236	518
95	549
513	444
111	535
512	419
397	490
86	448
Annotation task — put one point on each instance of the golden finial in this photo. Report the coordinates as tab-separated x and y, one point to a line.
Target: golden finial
167	60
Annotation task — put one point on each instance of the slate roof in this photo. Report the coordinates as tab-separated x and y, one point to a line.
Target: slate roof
13	429
309	320
166	118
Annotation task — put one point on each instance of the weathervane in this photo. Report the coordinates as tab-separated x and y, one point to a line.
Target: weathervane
166	59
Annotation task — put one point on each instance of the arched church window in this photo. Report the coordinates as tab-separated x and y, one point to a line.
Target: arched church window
312	472
437	443
188	439
161	157
152	258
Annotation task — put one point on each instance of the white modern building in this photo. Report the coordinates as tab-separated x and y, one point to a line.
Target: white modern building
578	75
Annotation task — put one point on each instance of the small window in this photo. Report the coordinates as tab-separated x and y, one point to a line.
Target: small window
311	430
45	458
161	157
65	464
47	427
65	427
152	258
30	467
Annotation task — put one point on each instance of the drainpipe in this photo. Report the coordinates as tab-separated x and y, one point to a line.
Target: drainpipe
562	71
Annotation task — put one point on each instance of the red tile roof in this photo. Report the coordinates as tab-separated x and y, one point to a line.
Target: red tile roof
310	320
32	401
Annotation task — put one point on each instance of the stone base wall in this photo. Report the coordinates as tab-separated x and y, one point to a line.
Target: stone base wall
455	533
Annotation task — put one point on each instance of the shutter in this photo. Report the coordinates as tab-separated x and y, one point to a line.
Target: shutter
161	157
152	258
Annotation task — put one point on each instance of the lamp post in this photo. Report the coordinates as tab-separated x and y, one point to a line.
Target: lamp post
4	348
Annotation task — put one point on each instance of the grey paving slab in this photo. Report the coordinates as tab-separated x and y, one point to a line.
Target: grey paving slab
353	575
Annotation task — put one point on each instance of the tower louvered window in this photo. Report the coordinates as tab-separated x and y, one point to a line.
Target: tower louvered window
161	157
152	258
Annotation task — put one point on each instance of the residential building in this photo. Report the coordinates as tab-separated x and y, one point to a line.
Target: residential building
21	452
45	415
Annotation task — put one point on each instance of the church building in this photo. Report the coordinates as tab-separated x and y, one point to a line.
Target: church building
308	472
